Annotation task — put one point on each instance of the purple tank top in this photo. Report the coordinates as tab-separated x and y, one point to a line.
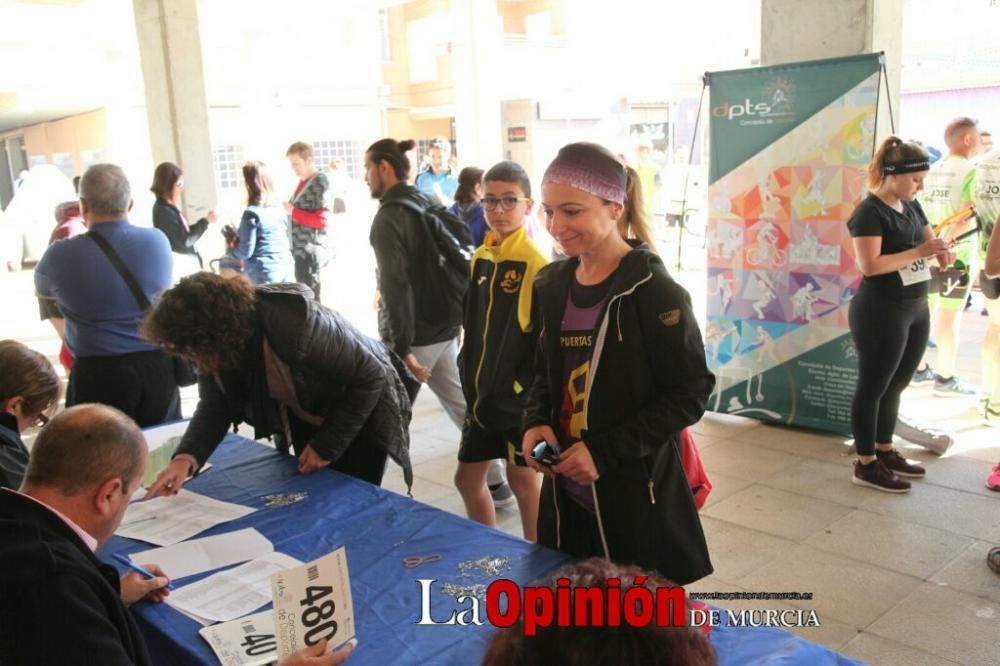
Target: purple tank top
577	333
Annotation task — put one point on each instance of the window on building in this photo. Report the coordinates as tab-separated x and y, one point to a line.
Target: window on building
427	38
538	27
351	153
384	39
64	162
88	157
227	162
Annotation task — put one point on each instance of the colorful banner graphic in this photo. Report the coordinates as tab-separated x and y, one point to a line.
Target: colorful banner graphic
790	146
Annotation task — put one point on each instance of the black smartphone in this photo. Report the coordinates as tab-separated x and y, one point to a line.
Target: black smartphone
546	453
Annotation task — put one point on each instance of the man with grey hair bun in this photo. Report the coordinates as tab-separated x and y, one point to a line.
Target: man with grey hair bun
102	282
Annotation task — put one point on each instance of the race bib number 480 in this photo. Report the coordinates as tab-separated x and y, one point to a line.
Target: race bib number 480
313	603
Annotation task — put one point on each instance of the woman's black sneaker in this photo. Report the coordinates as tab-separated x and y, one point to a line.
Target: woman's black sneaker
897	464
875	475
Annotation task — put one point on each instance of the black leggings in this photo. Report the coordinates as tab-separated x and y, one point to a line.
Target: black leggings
890	336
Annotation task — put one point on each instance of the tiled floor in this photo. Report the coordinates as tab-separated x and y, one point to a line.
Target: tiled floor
896	579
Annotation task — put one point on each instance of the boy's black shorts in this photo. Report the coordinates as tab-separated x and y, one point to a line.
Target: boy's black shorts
481	444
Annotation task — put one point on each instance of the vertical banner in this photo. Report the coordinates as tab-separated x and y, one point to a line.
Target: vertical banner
790	146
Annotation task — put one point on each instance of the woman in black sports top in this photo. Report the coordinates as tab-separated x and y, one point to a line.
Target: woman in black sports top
889	318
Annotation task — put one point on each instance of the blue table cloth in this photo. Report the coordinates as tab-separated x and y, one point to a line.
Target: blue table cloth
379	529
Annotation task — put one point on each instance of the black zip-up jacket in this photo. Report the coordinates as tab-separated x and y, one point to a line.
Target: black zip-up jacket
400	255
648	379
13	453
59	604
497	361
167	218
339	373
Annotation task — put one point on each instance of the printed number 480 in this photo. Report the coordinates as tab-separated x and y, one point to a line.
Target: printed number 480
313	617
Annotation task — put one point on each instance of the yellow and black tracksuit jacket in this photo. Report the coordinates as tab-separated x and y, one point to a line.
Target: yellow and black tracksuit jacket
496	363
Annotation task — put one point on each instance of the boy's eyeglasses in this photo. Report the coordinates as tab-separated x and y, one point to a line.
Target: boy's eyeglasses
507	203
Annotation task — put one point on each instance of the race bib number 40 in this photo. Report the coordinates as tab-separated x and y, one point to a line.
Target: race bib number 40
248	641
918	271
313	603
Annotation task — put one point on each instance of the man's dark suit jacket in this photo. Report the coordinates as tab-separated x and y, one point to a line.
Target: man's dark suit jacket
58	603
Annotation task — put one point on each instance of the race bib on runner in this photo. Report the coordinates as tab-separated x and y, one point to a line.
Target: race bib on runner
312	603
248	641
918	271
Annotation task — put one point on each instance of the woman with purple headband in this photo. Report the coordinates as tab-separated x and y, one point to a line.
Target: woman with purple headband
620	372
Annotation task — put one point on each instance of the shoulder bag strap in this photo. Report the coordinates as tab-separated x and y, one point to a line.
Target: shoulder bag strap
122	269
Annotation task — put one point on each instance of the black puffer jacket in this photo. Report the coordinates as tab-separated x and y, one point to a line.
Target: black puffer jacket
13	453
339	373
648	380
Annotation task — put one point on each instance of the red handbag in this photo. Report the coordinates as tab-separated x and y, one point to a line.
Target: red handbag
694	469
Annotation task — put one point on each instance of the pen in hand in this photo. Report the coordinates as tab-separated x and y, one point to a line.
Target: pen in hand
136	568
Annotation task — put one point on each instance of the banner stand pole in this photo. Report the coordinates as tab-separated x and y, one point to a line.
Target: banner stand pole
888	96
687	173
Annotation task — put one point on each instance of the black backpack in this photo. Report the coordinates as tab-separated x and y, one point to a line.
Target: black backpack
447	250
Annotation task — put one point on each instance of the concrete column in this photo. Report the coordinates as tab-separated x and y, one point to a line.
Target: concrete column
176	106
796	30
477	43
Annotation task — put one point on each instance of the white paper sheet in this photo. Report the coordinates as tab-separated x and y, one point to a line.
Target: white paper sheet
248	641
156	437
321	588
162	442
167	520
230	594
199	555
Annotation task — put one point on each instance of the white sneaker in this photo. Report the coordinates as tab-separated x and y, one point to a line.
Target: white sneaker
933	440
503	496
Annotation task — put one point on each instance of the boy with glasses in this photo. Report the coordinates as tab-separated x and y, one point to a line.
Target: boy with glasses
496	363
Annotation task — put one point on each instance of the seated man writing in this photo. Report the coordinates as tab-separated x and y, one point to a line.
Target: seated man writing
59	604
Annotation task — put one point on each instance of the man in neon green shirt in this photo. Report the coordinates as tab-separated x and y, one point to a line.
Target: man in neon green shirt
987	199
949	186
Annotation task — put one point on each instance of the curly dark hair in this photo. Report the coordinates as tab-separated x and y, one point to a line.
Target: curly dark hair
206	318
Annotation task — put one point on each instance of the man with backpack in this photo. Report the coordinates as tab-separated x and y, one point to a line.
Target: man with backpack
422	252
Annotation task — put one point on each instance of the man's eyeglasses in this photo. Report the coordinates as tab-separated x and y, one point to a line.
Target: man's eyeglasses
507	203
40	421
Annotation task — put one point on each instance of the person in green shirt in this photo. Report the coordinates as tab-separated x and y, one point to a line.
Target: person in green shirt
949	187
987	200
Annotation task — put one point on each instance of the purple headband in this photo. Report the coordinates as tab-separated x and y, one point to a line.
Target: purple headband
586	167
